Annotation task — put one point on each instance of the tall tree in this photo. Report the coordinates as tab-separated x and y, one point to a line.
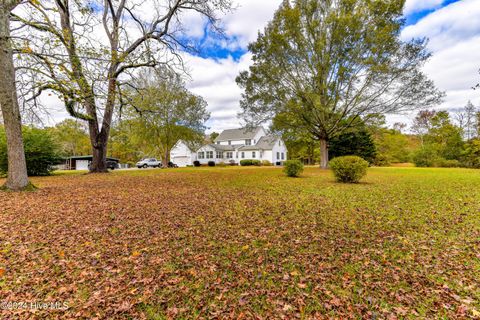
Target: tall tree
324	62
87	51
72	137
17	178
470	112
423	123
164	111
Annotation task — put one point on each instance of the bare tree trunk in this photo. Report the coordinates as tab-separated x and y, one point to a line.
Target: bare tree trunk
99	161
17	168
323	154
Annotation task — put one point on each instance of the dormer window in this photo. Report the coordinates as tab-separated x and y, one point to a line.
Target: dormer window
229	142
218	142
248	142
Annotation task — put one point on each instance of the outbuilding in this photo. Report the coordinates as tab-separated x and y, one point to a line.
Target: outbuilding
83	162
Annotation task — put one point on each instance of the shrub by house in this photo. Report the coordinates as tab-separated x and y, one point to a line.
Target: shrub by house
349	169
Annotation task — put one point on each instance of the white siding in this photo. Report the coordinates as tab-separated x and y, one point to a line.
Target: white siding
81	164
277	150
181	155
259	134
233	142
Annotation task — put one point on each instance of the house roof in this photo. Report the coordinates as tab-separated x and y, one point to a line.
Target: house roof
265	143
238	134
220	147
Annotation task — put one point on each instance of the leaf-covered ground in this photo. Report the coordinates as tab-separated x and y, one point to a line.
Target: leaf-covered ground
244	243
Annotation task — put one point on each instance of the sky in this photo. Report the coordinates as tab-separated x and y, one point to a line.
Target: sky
452	27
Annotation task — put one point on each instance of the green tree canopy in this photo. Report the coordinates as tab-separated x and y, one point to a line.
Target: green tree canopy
324	62
163	111
72	137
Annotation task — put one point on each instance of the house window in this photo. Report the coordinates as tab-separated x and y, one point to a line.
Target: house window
201	155
254	142
236	154
219	155
209	154
248	142
283	156
218	142
243	155
253	154
278	155
229	142
229	155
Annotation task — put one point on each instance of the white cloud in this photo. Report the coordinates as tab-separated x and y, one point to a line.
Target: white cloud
454	39
412	6
214	80
250	17
454	33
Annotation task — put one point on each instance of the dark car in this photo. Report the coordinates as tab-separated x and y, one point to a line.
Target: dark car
172	165
112	165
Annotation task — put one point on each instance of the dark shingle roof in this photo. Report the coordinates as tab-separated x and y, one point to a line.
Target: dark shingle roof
238	134
265	143
222	147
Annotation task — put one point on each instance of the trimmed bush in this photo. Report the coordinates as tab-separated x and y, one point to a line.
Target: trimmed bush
266	163
221	164
349	169
293	168
426	156
246	162
211	163
448	163
196	163
250	162
41	152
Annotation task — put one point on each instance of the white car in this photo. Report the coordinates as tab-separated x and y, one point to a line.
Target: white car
149	163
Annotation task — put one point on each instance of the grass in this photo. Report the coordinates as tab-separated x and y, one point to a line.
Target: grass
245	242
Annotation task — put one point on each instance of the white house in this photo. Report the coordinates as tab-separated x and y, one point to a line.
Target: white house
231	146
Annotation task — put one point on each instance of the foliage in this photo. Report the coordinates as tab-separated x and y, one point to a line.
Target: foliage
426	156
211	163
163	112
212	137
72	137
353	142
41	152
250	162
88	53
441	139
196	163
264	246
293	168
266	163
322	65
471	154
349	169
299	142
442	163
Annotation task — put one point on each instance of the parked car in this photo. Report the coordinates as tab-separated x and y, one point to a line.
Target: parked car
172	165
112	165
149	163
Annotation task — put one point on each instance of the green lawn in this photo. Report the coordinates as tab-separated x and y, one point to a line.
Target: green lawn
245	242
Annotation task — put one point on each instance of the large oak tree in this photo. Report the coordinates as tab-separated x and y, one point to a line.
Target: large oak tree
323	64
17	178
87	51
